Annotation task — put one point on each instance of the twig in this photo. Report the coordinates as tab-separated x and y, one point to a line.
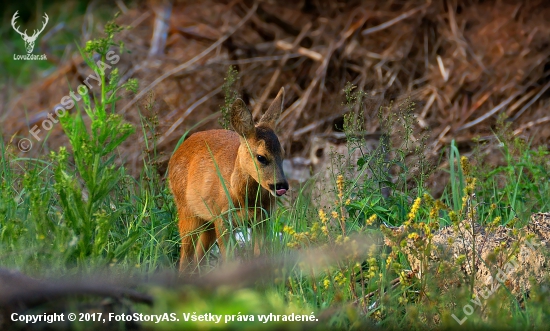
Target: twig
258	59
475	107
444	72
312	126
520	102
393	21
436	143
532	101
531	124
192	61
430	102
285	46
491	112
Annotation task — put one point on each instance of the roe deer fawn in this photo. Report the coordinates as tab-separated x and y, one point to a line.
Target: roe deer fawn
249	161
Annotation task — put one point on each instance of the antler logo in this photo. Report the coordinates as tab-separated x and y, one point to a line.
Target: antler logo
29	40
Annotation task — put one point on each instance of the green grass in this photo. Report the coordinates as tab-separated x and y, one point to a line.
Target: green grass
77	211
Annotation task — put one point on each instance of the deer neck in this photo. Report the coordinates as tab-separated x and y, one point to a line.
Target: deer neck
242	183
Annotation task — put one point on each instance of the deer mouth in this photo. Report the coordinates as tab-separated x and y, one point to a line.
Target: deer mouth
279	189
280	192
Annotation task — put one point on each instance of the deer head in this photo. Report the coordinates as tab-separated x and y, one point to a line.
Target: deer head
260	152
29	40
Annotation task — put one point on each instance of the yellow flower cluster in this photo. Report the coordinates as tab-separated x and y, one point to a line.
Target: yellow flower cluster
373	268
340	186
371	219
453	216
428	199
465	165
391	257
323	216
324	221
469	189
289	230
340	279
317	231
470	185
299	238
413	236
414	210
341	239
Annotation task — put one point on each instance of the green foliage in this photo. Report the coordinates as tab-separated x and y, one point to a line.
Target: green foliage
378	193
230	95
474	194
517	186
79	207
85	202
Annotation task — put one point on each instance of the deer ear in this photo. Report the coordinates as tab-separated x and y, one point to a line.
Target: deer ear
274	111
241	119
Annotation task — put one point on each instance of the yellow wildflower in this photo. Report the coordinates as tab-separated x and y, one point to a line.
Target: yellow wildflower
371	219
415	208
413	235
323	216
465	164
289	230
428	199
340	185
454	217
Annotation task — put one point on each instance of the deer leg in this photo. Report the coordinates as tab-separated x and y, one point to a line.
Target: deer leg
189	228
223	236
259	235
257	224
207	238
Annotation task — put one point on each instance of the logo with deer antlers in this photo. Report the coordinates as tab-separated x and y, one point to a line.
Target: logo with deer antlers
29	40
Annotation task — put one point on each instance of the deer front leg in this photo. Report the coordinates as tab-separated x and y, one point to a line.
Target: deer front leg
206	239
243	218
256	219
259	234
222	235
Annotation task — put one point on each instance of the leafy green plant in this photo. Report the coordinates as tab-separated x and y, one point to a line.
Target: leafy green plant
518	184
84	190
391	175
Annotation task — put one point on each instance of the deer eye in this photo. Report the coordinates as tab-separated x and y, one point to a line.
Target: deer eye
262	159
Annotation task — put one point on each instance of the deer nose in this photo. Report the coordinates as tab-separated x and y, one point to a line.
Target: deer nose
280	188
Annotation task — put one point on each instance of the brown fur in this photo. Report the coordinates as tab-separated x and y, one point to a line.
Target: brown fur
199	193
